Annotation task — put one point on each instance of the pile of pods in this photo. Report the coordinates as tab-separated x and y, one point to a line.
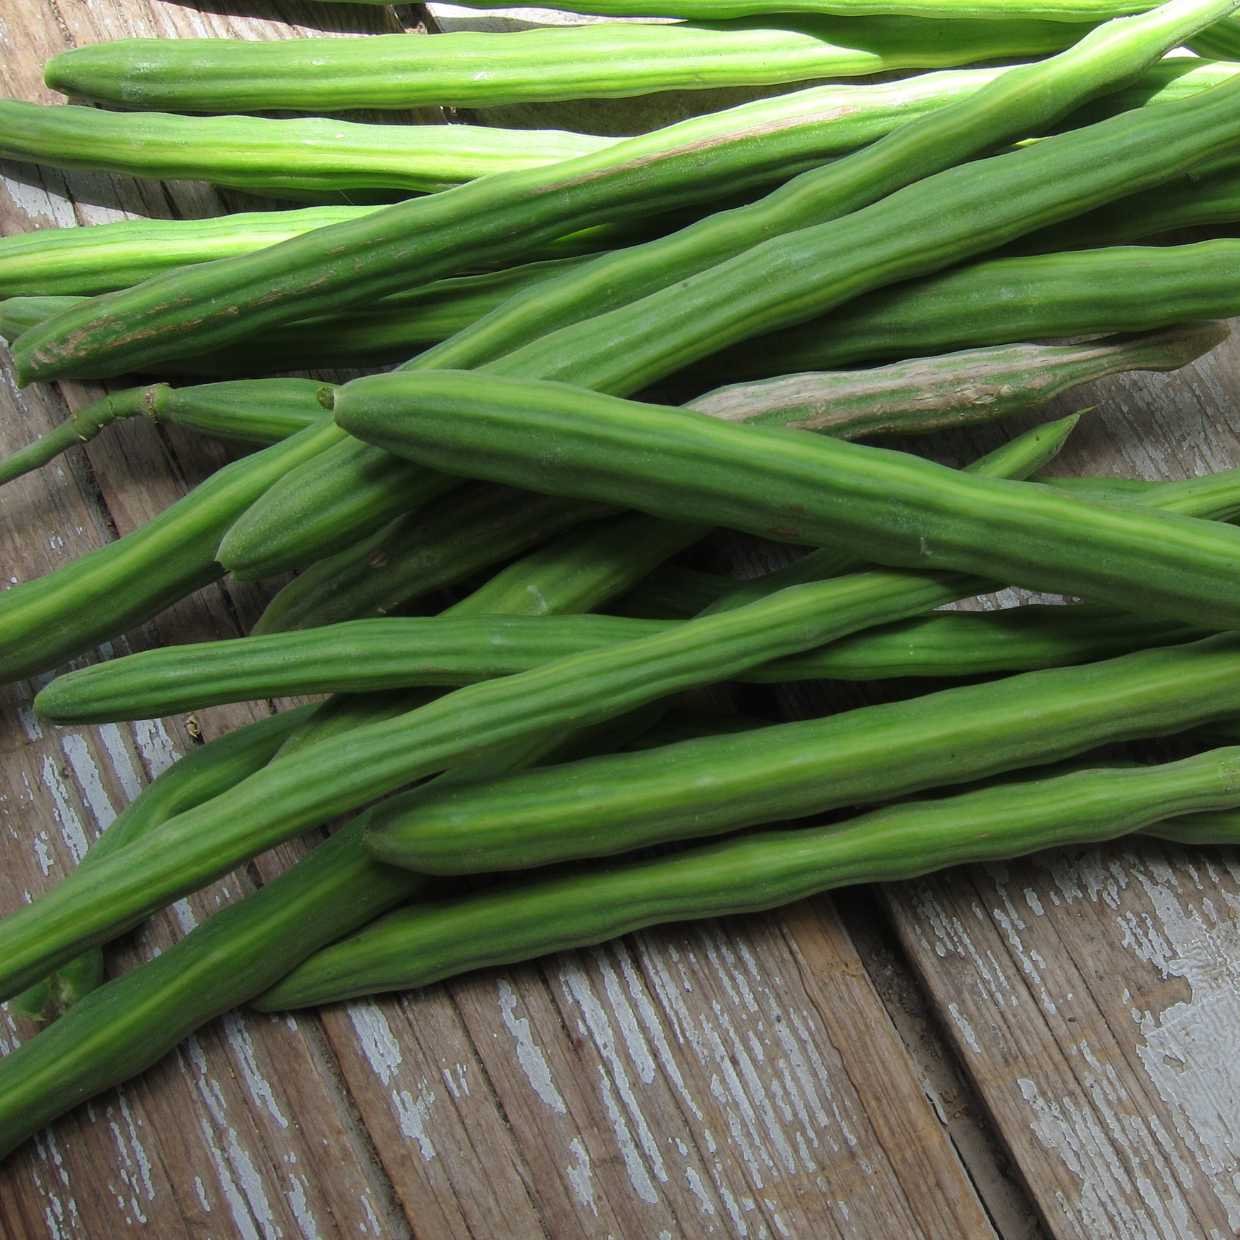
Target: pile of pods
605	350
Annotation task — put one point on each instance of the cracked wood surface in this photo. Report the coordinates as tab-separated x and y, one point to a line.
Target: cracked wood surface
810	1073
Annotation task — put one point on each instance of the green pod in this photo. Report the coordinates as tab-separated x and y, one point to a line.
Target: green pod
368	656
793	487
1030	297
110	590
307	157
1003	109
19	314
392	330
479	526
499	217
1213	497
200	775
360	656
467	70
604	806
956	389
480	638
1204	201
256	411
103	257
590	904
1220	41
953	644
1220	827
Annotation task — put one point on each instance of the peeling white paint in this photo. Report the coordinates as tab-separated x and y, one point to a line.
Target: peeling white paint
575	982
71	829
200	1190
155	745
238	1178
456	1078
529	1054
300	1207
90	781
1191	1049
966	1029
43	854
634	1165
379	1044
383	1054
257	1085
579	1176
119	761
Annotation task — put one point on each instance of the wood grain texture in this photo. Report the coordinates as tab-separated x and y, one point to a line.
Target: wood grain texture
732	1080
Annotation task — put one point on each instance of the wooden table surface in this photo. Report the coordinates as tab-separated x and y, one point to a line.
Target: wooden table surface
1050	1047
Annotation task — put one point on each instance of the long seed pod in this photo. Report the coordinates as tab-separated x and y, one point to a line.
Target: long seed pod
307	157
901	510
604	806
1208	200
105	257
510	923
395	328
469	70
200	775
375	655
995	301
955	644
102	258
209	306
955	389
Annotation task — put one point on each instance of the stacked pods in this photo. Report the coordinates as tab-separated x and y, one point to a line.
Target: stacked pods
546	282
